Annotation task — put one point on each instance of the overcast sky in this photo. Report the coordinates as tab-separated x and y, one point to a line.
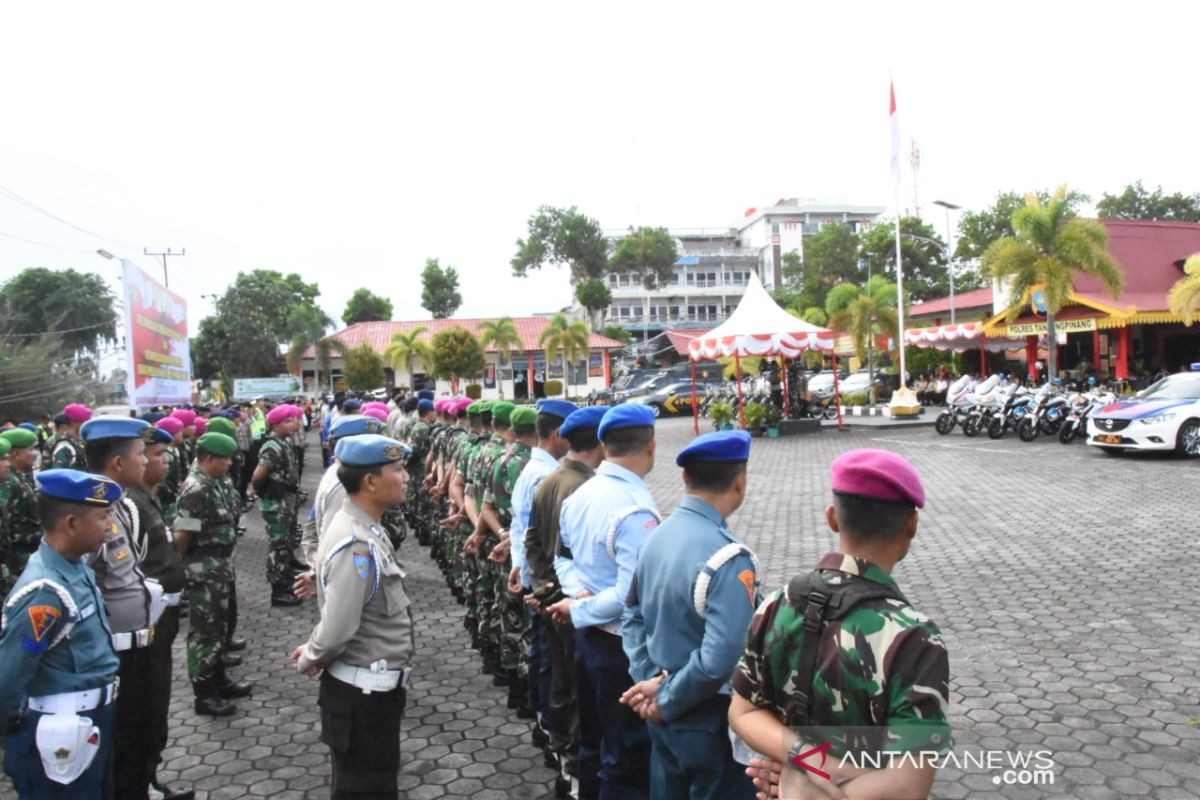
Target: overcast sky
350	141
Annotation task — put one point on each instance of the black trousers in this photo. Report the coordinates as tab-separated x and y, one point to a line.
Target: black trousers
132	747
363	733
159	689
562	715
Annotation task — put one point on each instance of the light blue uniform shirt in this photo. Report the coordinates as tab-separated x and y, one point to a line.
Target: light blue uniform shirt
661	628
36	659
540	464
617	497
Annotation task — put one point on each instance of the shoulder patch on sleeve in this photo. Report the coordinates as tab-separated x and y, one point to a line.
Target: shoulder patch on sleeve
749	580
362	564
650	524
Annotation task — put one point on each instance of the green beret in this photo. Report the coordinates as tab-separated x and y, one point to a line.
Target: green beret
485	406
4	446
222	425
218	444
19	437
523	419
502	412
474	409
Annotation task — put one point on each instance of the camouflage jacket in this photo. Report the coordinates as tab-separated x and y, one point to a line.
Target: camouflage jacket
490	452
504	478
66	452
167	490
24	529
469	452
279	459
883	665
205	510
420	440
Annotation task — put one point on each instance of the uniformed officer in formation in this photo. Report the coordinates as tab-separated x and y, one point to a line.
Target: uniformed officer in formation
115	448
176	468
418	441
205	536
58	668
276	481
363	646
602	527
66	450
24	530
684	628
840	655
6	578
233	644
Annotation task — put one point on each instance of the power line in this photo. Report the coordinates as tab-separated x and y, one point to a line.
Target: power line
45	244
30	205
55	332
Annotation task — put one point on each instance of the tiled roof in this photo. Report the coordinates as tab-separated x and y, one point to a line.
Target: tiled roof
379	334
976	298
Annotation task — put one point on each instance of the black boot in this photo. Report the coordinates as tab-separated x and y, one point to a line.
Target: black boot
297	565
231	690
231	660
518	698
281	595
502	676
235	645
491	658
173	792
208	700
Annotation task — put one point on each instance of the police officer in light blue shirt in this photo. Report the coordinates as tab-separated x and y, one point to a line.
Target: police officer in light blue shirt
602	527
58	668
694	593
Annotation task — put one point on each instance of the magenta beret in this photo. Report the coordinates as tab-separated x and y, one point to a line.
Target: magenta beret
877	475
376	412
279	414
201	425
77	412
184	415
172	425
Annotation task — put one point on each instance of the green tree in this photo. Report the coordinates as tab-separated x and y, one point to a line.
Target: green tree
978	229
926	276
1049	247
649	253
501	334
618	333
456	354
77	305
562	236
310	325
831	255
365	306
864	312
439	289
1185	294
594	295
404	346
565	337
364	369
1137	203
39	376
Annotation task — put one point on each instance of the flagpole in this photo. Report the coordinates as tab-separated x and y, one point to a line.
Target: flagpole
904	402
899	291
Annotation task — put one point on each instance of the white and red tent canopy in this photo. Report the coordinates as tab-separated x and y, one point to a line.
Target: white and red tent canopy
959	338
759	327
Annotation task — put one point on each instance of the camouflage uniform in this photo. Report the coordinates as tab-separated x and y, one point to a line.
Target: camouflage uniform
66	452
6	579
24	529
462	573
206	510
490	447
508	609
484	591
167	491
279	507
455	445
883	665
415	503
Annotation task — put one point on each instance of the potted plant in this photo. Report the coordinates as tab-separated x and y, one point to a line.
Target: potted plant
721	414
754	414
771	420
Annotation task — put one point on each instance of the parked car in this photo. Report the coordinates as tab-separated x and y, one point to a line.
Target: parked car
858	383
1164	416
675	398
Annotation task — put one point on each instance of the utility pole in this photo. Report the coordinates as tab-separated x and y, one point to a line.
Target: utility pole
163	256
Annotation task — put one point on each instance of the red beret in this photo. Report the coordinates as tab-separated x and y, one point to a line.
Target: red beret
77	412
877	475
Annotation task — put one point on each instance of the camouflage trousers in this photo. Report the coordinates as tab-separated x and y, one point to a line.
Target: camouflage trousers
209	585
454	555
395	526
514	623
470	579
490	627
281	539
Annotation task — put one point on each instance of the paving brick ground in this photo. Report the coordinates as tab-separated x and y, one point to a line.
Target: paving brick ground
1065	582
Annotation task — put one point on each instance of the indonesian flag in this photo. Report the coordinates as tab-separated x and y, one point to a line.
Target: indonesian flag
894	121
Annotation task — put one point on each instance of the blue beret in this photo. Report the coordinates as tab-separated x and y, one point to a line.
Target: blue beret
625	415
111	427
29	426
78	487
426	394
717	446
588	417
151	417
369	450
559	408
355	425
352	404
424	404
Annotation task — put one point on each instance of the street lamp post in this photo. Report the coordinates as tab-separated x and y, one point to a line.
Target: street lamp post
949	250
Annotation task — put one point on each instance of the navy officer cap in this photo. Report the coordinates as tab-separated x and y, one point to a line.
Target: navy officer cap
154	435
722	446
112	427
588	417
625	415
369	450
426	394
355	425
557	408
352	404
424	404
74	486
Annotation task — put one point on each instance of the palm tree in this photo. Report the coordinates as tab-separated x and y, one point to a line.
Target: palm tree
406	344
1185	294
862	313
501	334
309	325
571	338
1048	249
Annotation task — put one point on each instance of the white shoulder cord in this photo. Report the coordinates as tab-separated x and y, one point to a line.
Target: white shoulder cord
610	541
714	563
63	595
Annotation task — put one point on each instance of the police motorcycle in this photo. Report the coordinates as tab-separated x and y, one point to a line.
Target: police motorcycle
984	402
1080	410
1016	406
1047	415
955	412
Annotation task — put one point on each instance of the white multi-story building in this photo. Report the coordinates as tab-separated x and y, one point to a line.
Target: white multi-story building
715	264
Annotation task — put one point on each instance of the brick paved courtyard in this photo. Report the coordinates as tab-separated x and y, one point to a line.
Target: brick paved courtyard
1064	582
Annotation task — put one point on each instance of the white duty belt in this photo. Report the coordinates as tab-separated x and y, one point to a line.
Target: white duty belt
131	640
74	702
172	598
375	678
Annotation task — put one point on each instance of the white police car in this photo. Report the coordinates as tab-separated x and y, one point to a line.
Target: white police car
1165	416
